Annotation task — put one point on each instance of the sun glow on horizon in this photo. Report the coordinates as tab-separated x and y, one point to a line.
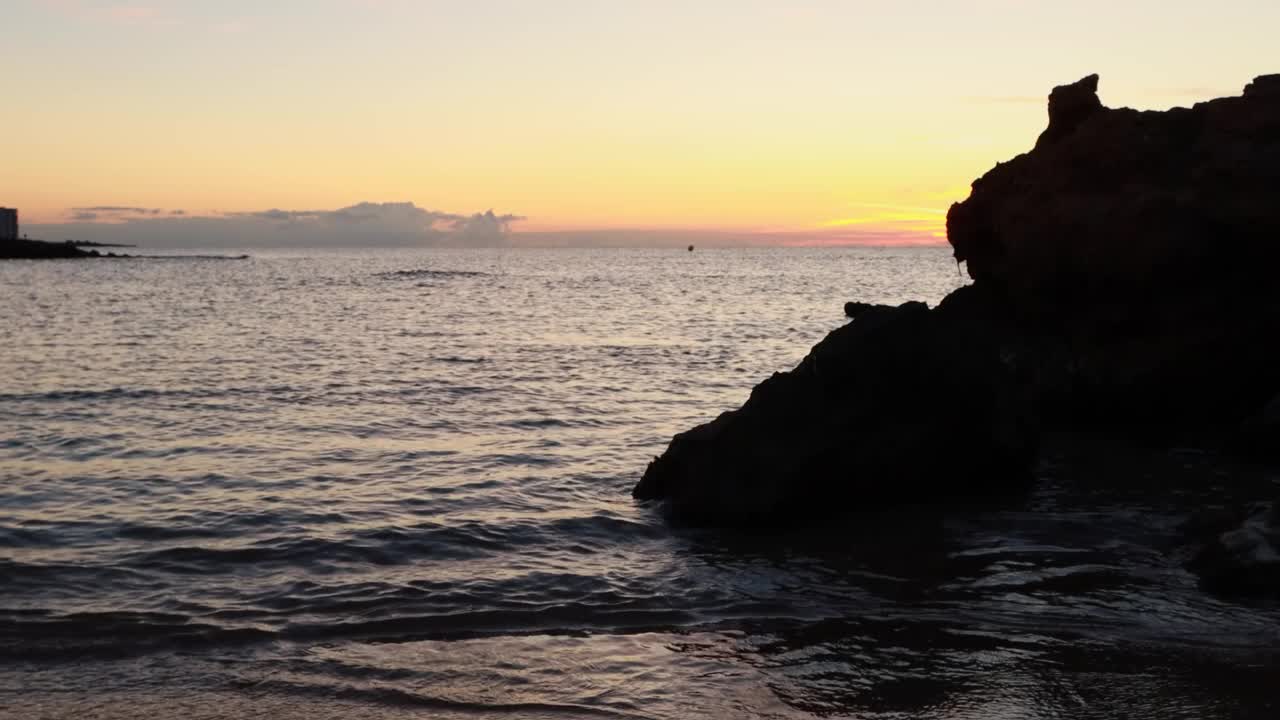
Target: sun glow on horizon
748	118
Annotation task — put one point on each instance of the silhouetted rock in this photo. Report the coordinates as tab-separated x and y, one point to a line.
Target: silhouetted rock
1117	202
1123	276
1070	105
901	404
1142	244
853	309
40	250
1268	85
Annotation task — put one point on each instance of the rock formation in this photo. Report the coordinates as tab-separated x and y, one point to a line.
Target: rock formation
1123	275
1142	244
40	250
1121	202
1069	106
854	308
901	404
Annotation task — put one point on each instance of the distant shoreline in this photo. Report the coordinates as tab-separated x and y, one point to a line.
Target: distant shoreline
41	250
90	243
71	250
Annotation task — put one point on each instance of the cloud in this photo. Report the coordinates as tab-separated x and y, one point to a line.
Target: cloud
483	225
366	224
277	215
111	213
404	224
392	218
119	209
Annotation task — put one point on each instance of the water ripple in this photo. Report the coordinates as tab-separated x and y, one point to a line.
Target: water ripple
373	484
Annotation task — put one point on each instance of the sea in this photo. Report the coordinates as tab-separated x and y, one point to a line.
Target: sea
396	483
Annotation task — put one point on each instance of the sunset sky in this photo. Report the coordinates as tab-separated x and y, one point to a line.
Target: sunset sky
791	121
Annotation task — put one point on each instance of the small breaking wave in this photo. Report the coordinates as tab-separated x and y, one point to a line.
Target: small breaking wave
427	274
41	637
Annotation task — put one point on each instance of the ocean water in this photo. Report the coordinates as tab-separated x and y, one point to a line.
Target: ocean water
328	484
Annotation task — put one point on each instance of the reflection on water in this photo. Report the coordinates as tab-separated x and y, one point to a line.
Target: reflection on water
396	484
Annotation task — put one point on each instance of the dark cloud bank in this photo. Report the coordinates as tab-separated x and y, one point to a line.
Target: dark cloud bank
391	224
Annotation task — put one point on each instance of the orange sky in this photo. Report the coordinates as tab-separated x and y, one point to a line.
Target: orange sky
839	121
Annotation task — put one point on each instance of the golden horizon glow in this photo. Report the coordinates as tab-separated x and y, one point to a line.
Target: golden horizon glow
842	121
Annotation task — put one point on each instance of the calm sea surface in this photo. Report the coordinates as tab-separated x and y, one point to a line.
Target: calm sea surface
383	484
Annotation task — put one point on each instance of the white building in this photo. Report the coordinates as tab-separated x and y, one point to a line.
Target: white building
8	224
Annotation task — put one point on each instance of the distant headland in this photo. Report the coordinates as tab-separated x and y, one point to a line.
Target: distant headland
15	247
24	249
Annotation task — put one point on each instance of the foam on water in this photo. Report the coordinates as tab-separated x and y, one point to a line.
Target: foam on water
378	484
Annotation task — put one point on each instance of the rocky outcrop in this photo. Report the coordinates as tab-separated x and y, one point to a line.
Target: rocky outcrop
40	250
1145	244
1069	106
853	308
903	404
1123	275
1118	202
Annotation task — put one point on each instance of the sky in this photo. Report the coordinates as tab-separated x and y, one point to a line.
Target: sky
563	121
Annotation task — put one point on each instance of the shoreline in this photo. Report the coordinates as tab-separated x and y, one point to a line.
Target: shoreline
70	250
25	249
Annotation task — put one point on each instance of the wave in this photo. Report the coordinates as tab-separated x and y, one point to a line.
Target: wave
127	393
382	695
28	636
426	274
45	636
